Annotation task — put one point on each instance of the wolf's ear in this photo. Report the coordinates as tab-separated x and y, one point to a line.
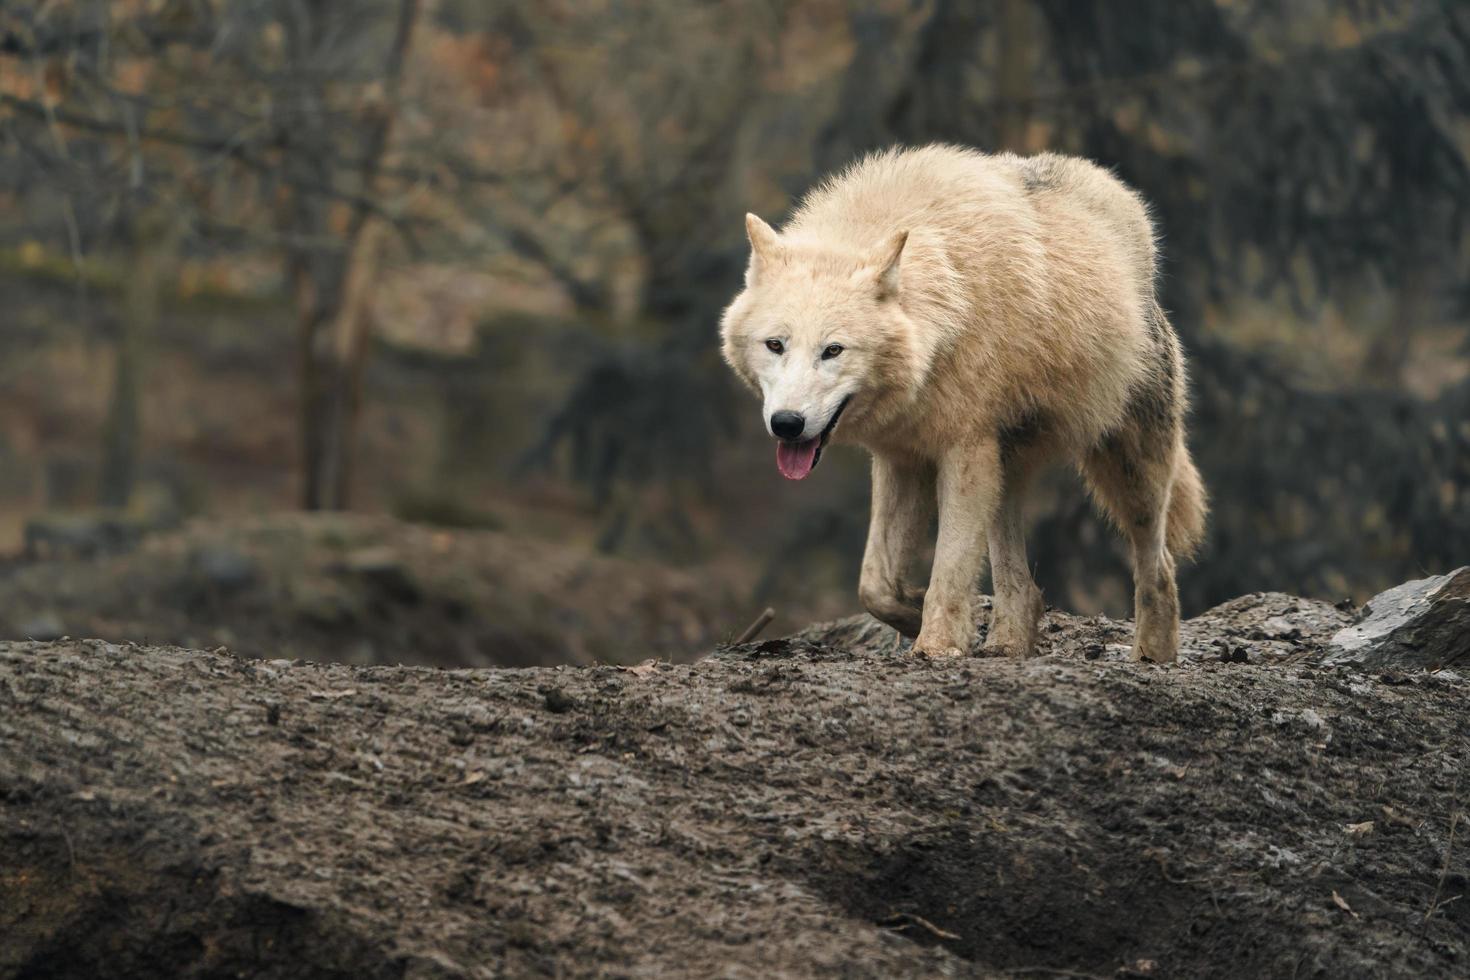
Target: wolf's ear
765	245
886	259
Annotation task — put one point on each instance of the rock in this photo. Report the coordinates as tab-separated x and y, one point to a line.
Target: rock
45	628
1280	628
557	700
1420	624
1235	654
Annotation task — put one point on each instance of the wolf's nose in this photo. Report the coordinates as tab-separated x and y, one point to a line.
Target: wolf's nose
787	425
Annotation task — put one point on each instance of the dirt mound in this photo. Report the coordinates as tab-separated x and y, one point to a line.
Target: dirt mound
814	805
372	590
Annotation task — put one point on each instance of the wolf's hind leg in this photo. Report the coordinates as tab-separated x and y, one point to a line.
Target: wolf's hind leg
903	502
1132	473
1018	606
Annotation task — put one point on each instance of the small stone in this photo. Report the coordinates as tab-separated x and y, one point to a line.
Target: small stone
557	700
1281	628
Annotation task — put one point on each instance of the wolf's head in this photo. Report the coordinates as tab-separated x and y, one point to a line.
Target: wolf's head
822	336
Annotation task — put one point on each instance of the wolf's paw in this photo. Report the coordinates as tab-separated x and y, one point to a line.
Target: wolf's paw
1155	642
936	648
1014	624
1007	639
1013	647
902	608
936	653
1146	653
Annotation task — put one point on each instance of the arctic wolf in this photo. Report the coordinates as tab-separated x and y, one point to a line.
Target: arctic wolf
968	318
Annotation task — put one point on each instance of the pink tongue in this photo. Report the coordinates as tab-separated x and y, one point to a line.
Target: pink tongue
796	459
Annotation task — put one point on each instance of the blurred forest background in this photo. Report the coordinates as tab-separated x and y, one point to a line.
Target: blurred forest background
455	267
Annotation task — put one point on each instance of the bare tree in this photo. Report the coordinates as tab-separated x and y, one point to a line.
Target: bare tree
153	244
332	287
258	124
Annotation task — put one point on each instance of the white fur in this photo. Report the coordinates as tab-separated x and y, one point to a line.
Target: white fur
996	312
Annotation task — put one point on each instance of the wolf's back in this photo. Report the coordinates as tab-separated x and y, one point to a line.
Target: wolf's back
1072	182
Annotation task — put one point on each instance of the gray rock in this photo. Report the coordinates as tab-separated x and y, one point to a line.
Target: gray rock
1424	624
45	627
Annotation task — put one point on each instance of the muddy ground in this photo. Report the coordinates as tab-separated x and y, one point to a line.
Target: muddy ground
817	805
370	590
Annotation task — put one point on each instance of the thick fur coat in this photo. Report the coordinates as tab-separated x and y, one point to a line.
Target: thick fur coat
969	318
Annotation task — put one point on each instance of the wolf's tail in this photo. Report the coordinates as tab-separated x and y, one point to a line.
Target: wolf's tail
1188	506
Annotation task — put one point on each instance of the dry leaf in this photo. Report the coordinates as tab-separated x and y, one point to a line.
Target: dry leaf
1341	903
1359	829
478	776
644	669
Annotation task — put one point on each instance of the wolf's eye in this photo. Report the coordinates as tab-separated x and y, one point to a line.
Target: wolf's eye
775	346
831	351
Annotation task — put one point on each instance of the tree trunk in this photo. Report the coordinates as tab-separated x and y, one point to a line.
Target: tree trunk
343	362
314	378
1013	85
332	297
122	431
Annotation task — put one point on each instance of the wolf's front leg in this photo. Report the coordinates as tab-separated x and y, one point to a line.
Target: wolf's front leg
969	486
903	500
1018	605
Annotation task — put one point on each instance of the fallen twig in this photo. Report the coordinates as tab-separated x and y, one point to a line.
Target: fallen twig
1163	861
917	920
754	629
1342	903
